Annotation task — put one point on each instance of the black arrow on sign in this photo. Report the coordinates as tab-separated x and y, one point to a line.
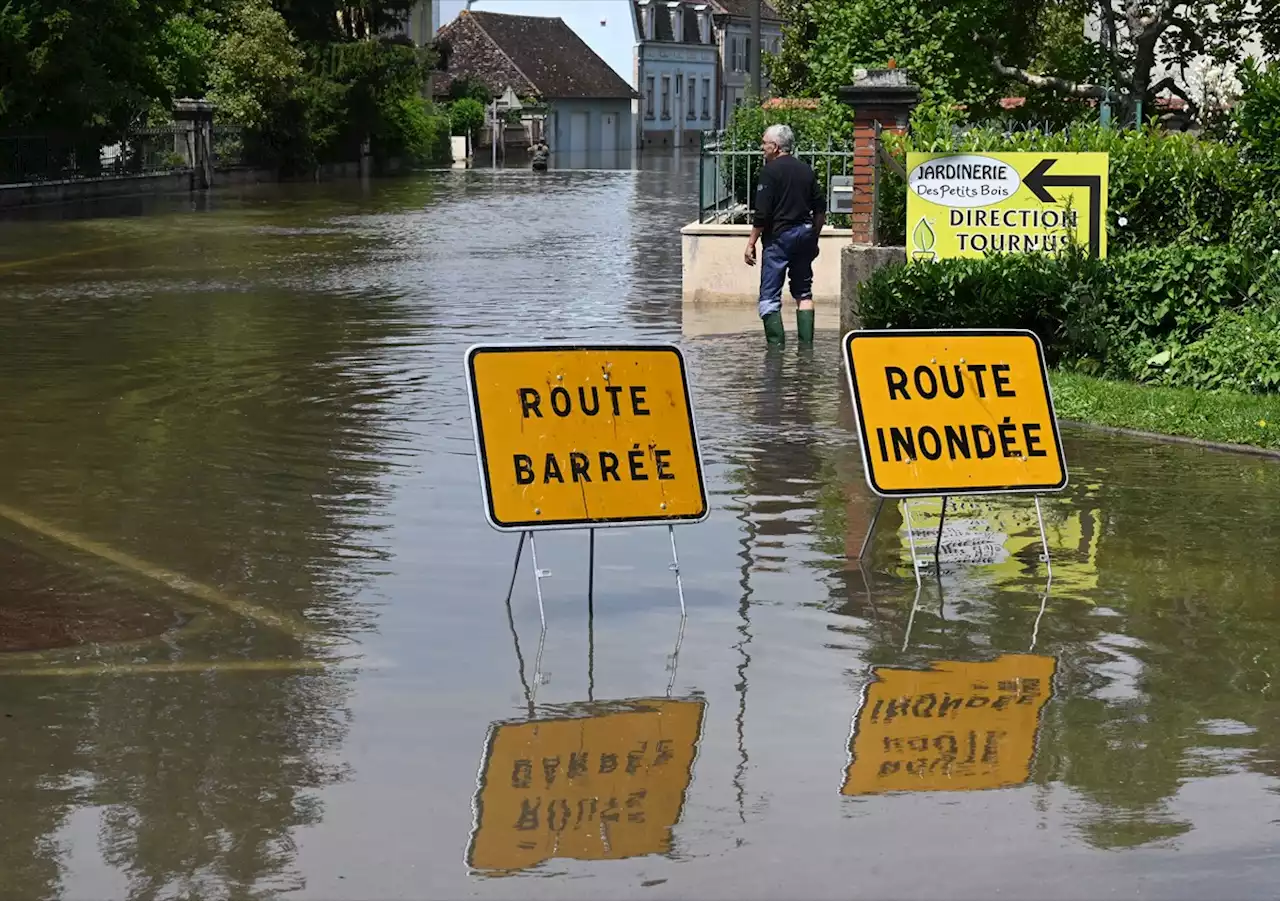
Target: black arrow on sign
1038	181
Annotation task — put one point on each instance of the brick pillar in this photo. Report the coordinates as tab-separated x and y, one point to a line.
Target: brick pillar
883	99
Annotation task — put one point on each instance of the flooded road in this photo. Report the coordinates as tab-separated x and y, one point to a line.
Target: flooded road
255	643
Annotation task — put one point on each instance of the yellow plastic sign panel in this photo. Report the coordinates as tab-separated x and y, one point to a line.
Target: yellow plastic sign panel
954	412
977	204
570	436
954	727
599	787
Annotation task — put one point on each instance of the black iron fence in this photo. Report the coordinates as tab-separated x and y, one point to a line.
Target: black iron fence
35	158
729	164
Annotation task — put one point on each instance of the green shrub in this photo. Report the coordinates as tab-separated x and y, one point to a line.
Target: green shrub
1127	317
419	132
1256	117
1175	293
1257	227
1239	352
466	115
1032	291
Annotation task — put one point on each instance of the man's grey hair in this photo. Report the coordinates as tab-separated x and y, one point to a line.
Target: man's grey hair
782	135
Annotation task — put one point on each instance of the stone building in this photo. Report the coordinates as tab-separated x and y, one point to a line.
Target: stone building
588	106
676	71
733	39
691	62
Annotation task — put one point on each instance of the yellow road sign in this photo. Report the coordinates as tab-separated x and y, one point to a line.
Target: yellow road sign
954	727
976	204
954	412
596	787
584	435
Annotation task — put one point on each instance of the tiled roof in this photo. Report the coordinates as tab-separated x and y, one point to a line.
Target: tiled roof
663	27
790	103
743	8
541	55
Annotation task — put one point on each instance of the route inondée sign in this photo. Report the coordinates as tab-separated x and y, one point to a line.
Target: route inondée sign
954	412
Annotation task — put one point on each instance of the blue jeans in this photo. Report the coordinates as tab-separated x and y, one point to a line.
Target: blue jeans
789	252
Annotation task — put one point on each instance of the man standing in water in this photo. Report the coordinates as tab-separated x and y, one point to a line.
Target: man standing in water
789	214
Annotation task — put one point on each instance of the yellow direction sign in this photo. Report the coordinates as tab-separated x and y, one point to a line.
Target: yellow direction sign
596	787
954	412
954	727
976	204
584	435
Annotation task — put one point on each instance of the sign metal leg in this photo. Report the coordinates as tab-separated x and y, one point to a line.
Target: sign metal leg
675	567
591	568
1044	602
591	617
911	542
538	576
937	545
515	569
537	668
515	636
1048	585
911	620
875	518
675	656
1044	540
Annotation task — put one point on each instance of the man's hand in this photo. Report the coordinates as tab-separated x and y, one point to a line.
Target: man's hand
749	255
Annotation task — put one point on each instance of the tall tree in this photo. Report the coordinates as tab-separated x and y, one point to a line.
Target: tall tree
1148	47
337	20
825	41
81	64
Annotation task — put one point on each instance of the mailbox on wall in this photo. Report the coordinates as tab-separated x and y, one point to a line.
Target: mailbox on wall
840	199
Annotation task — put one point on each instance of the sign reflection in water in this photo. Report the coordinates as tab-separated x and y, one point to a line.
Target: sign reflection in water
954	727
994	541
604	785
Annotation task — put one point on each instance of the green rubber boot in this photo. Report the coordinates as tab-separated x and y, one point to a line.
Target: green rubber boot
804	326
774	333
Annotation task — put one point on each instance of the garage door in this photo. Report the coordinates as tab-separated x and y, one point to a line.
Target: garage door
579	137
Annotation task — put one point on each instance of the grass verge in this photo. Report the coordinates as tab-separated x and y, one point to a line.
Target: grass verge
1229	418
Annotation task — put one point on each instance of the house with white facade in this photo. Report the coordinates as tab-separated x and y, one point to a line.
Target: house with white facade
676	71
588	106
733	38
691	65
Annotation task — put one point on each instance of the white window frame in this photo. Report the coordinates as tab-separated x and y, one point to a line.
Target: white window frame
704	24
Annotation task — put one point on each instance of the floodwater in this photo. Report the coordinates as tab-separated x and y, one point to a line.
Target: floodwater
255	642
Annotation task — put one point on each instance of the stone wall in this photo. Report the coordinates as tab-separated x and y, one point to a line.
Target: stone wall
857	262
712	270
